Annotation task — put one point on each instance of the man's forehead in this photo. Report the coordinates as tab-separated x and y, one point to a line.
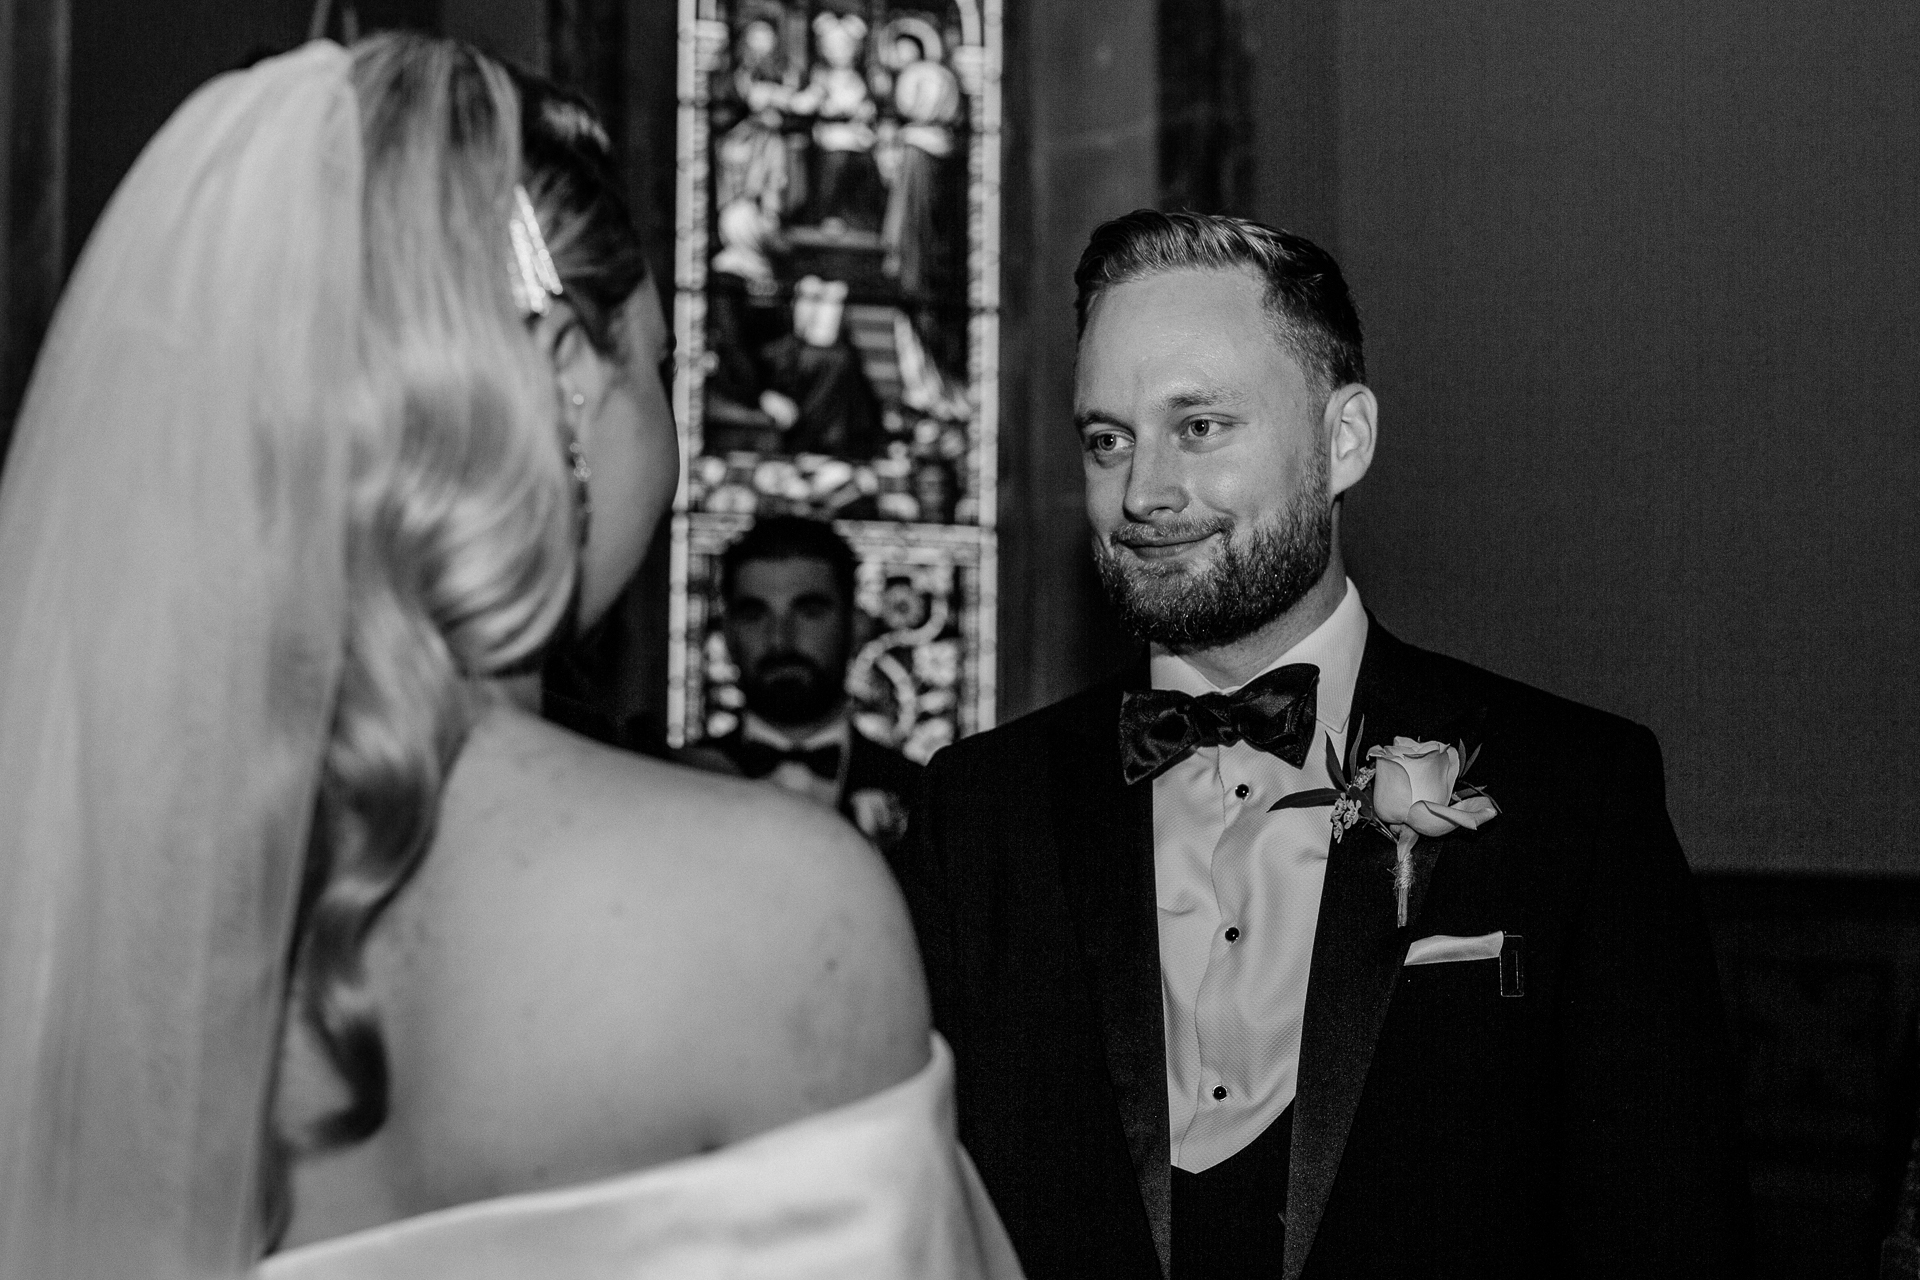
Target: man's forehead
1179	340
785	576
1179	295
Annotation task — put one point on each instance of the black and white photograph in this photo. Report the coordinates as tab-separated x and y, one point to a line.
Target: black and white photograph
959	640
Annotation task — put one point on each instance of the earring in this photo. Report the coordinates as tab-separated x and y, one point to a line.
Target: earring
577	465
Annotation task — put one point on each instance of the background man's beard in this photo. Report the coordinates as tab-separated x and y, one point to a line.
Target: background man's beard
789	688
1247	586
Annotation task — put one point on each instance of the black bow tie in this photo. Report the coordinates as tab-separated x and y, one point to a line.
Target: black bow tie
1274	713
758	759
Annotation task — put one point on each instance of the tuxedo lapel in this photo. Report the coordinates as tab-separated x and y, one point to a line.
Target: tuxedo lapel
1358	947
1105	834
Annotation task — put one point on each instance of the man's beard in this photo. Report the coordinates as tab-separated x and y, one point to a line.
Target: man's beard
1247	585
789	688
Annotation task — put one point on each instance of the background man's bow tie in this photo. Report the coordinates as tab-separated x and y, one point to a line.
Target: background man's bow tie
1274	713
758	759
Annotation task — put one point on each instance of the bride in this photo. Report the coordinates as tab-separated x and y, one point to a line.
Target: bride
315	944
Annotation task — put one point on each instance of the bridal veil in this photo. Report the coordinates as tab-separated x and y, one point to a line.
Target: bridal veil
172	603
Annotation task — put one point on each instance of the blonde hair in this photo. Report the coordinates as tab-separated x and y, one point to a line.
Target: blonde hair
461	528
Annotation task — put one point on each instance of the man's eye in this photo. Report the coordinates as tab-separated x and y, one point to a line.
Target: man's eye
1203	428
1105	441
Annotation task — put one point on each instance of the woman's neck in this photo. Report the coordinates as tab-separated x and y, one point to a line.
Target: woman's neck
522	692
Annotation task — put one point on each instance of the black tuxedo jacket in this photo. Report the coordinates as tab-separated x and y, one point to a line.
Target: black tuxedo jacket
872	767
1584	1127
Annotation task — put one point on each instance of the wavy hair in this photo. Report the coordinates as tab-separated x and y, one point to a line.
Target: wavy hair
461	548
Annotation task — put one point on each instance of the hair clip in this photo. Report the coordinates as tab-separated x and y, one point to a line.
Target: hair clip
534	279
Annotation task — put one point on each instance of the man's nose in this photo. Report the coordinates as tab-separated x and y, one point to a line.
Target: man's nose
783	628
1156	483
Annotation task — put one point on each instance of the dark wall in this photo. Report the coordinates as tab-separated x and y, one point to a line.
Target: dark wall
1642	284
1642	293
1821	979
133	62
85	83
34	40
1082	141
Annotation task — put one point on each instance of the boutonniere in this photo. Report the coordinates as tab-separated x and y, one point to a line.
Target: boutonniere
1405	791
880	815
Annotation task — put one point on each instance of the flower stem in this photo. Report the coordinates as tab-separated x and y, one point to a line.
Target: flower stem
1403	872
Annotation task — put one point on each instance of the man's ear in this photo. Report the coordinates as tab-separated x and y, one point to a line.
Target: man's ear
1352	424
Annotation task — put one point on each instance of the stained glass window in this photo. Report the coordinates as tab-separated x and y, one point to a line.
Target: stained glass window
837	314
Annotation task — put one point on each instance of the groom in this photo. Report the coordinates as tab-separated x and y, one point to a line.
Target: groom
1230	998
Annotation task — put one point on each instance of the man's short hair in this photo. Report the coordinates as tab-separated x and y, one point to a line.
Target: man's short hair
1305	292
789	538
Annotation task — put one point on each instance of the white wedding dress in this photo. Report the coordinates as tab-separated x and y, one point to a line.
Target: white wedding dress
875	1190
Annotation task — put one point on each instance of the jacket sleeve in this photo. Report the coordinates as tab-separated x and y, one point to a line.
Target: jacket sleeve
1654	1178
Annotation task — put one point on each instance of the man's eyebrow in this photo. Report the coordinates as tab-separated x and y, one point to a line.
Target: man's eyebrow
1097	418
1192	397
1195	397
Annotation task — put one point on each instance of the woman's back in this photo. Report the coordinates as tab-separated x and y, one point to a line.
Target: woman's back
606	963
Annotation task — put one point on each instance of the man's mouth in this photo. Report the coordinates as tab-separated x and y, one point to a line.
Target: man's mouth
1166	546
781	669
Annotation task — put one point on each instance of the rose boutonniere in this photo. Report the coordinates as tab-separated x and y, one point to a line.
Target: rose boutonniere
1405	791
880	815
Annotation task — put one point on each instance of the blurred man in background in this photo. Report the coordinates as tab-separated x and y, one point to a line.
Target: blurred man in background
788	590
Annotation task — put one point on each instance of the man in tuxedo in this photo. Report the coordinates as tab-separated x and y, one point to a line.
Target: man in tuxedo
1195	1035
787	585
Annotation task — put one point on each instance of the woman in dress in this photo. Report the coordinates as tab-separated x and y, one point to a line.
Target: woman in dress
313	940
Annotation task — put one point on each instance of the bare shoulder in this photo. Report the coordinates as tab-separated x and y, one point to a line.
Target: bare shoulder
625	961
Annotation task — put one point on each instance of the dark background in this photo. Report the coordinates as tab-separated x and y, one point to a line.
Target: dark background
1642	289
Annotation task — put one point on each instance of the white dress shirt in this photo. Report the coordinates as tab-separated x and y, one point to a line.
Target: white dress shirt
1238	890
793	776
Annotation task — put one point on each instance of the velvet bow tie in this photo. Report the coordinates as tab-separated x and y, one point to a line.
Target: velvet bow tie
1274	713
758	759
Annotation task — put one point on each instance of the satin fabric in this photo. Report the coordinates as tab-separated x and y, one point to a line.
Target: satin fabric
876	1190
172	590
1274	712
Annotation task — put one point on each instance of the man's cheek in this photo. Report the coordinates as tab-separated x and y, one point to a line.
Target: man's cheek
1104	502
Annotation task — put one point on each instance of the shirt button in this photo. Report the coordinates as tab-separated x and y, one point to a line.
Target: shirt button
1241	791
1219	1092
1233	934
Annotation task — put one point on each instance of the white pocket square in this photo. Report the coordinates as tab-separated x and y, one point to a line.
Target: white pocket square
1444	948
